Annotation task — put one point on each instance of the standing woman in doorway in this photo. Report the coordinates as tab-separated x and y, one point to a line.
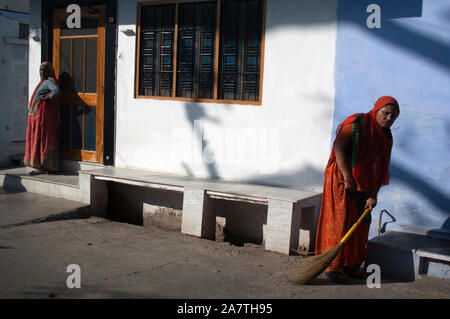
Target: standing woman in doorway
357	168
42	137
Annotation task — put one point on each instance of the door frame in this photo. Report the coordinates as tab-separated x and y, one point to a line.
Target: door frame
84	98
46	16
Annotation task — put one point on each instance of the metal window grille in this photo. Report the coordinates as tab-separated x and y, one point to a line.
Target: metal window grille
239	57
157	47
196	43
240	50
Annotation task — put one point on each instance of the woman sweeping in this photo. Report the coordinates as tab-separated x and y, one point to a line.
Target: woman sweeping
358	166
41	147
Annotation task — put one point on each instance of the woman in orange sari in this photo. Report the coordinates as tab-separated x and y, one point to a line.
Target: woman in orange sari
358	166
41	145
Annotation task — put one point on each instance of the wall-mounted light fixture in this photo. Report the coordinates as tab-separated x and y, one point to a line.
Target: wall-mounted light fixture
34	34
128	32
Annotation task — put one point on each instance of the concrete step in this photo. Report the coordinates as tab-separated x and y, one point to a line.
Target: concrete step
406	256
70	184
66	186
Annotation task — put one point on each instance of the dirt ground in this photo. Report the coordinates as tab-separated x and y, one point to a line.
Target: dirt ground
119	260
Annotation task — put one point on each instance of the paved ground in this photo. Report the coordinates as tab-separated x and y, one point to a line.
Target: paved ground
40	236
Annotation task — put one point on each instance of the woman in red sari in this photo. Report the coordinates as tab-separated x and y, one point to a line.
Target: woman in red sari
41	147
357	168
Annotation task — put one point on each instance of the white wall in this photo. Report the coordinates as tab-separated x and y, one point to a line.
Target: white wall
34	46
285	141
13	89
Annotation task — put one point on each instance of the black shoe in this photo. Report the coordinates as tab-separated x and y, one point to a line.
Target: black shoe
337	276
356	273
37	172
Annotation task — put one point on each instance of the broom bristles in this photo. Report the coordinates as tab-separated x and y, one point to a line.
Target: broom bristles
311	267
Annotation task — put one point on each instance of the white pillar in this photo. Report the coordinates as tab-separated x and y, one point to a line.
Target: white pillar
279	226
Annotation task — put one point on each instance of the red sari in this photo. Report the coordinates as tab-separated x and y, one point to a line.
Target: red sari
42	137
371	152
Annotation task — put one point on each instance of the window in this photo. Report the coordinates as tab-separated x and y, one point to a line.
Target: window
24	31
202	51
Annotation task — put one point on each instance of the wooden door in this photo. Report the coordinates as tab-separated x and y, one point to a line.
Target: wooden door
78	60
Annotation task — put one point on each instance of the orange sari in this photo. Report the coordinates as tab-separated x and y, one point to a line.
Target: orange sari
370	153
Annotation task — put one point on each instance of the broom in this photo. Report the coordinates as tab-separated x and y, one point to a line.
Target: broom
313	266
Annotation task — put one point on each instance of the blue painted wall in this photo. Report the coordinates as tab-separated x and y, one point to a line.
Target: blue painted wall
408	58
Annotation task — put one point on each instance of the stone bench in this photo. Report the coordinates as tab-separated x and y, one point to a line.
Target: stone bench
285	207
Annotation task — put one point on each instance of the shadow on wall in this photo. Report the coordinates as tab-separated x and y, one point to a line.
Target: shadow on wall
72	111
392	31
354	12
196	115
312	12
434	195
430	192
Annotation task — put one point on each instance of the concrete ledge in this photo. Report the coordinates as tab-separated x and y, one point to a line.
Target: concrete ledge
227	187
407	256
285	206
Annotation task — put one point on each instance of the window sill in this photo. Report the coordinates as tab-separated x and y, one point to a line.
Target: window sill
184	99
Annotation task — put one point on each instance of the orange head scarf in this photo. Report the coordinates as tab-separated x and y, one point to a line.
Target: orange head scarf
372	146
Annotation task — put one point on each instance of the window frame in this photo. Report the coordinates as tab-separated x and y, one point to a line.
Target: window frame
216	55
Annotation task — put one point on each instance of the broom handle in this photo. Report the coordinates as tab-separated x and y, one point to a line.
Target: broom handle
350	232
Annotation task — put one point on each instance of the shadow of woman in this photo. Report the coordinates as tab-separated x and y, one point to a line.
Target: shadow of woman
73	108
